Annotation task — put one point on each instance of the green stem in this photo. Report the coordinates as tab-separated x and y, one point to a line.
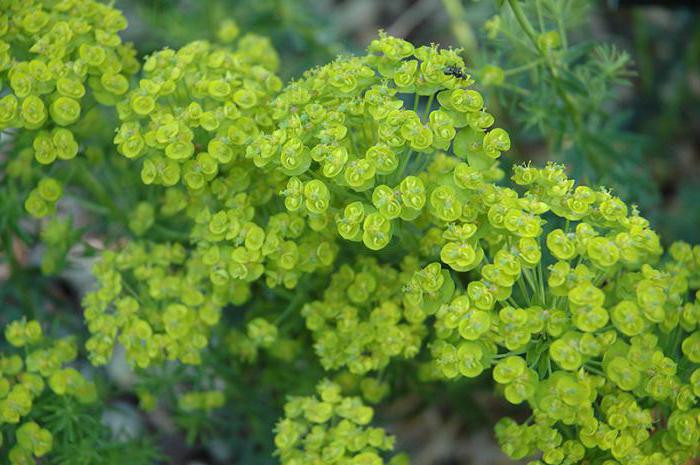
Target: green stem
523	290
526	26
562	32
94	187
531	282
168	233
540	19
523	21
506	354
594	370
516	89
512	302
461	28
428	105
525	67
293	305
540	278
282	293
99	209
400	171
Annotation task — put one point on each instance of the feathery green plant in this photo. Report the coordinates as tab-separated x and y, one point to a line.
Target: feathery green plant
541	69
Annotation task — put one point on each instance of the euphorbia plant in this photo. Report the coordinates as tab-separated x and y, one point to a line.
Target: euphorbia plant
361	213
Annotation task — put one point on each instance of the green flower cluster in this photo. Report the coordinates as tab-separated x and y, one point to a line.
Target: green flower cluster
361	323
569	318
188	124
202	126
201	400
330	429
380	173
41	201
58	58
263	336
195	110
24	380
685	261
58	235
561	290
350	148
156	301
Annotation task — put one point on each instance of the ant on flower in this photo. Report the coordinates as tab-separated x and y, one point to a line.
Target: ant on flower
456	71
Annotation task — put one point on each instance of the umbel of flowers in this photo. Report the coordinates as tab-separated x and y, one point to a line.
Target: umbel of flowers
331	428
57	60
187	126
35	372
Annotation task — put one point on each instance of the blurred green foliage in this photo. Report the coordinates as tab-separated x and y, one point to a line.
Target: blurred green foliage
303	31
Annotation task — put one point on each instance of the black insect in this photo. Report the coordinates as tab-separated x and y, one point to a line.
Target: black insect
455	71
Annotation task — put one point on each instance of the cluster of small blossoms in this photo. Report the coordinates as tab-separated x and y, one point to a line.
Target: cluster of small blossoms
330	429
160	300
57	59
684	259
194	112
58	235
201	125
24	380
41	201
361	323
155	300
561	289
262	335
243	243
593	289
201	400
570	318
189	123
372	389
351	150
